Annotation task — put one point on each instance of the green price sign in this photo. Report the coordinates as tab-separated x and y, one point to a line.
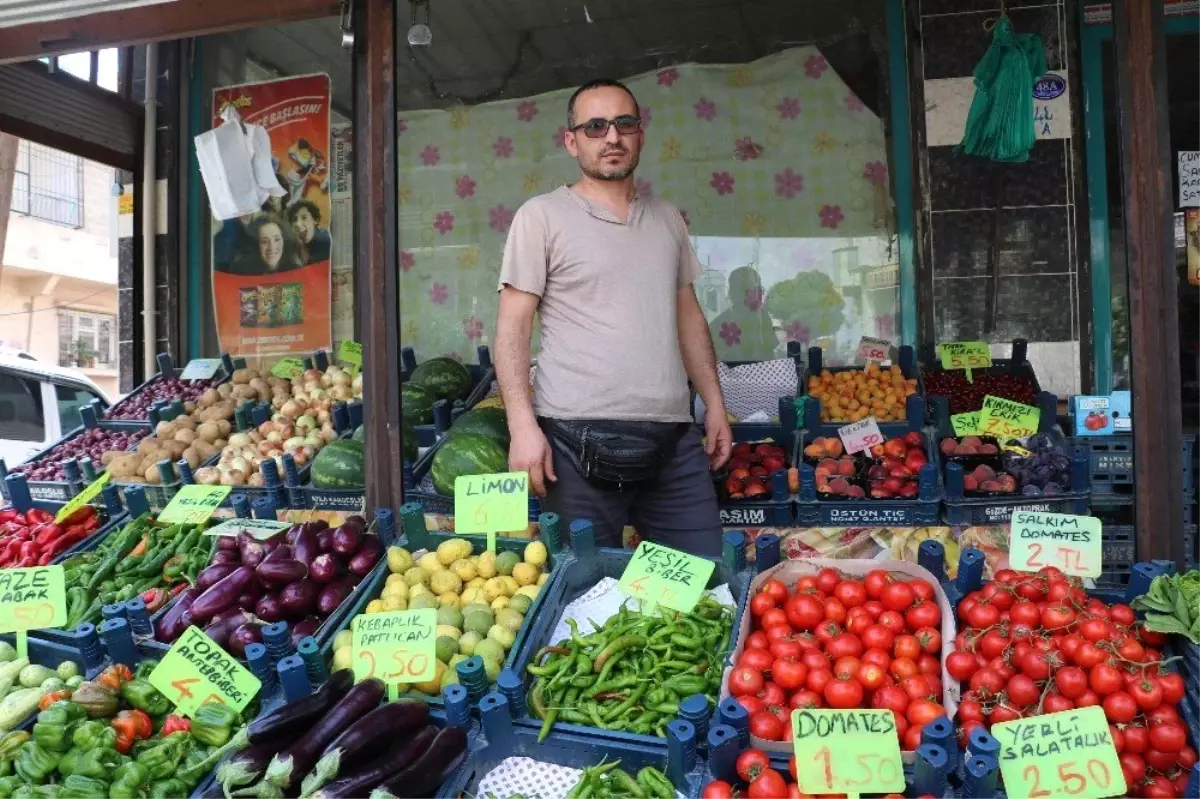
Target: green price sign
288	368
193	504
350	352
1072	543
82	498
965	424
491	503
847	751
32	599
965	355
259	528
396	647
1006	419
664	576
1070	753
197	671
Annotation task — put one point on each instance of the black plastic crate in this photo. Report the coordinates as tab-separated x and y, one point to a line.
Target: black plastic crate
777	509
914	405
63	490
418	487
166	370
1111	463
483	373
1119	509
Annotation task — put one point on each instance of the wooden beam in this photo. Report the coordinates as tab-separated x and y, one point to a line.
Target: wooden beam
1153	301
376	288
176	20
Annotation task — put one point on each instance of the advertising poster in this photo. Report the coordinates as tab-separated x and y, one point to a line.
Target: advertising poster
271	269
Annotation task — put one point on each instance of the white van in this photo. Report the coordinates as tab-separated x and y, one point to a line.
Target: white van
39	403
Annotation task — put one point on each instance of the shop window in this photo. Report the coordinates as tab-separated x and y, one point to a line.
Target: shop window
765	124
86	339
48	184
21	416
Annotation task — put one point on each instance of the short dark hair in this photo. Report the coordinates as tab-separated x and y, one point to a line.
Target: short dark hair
598	83
313	210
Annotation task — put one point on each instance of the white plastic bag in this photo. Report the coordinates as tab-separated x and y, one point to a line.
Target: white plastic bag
235	163
755	388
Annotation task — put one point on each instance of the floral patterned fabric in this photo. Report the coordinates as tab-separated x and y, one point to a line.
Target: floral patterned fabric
778	149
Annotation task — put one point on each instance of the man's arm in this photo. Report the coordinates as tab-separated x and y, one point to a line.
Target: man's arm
700	361
529	451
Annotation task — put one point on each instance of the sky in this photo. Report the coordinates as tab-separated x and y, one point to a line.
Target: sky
79	64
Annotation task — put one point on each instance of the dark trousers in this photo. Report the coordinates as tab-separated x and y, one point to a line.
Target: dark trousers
678	510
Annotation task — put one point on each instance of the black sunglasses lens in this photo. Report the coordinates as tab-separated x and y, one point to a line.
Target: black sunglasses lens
595	128
627	125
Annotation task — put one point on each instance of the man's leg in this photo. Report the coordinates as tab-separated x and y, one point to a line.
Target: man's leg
679	509
573	497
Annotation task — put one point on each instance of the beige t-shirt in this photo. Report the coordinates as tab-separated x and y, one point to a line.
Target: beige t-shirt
609	289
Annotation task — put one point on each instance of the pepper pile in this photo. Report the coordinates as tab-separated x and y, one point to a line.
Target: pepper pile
144	558
607	781
631	673
33	539
115	738
28	687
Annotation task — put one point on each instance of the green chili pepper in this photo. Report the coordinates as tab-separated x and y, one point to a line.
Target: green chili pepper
626	784
655	783
143	696
616	647
34	762
77	786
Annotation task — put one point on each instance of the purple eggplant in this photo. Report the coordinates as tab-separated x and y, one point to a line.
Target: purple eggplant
298	599
220	631
251	550
214	574
366	557
361	741
222	595
291	533
249	633
268	608
227	542
225	557
334	594
326	568
325	541
275	573
357	521
304	548
280	552
231	612
170	626
305	627
346	540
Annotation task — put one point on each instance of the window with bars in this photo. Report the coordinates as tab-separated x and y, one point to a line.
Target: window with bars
86	339
48	185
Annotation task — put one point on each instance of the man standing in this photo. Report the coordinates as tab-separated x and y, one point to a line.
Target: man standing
315	242
607	435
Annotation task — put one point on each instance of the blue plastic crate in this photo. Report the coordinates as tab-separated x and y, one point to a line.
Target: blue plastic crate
108	506
56	490
914	405
1110	460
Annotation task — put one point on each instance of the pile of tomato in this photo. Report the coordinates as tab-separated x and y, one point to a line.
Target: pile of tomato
837	641
1036	643
759	780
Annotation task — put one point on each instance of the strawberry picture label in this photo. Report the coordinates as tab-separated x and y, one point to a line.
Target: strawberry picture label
1070	753
874	349
1072	543
1005	419
664	576
846	751
860	435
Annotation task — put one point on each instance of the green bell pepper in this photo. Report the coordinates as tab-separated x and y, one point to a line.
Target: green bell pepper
162	760
92	734
142	695
169	789
42	792
35	763
127	782
8	785
96	763
213	723
6	768
142	670
56	724
79	787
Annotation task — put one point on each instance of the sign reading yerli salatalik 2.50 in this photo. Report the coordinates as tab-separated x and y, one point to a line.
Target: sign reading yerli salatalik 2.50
1060	754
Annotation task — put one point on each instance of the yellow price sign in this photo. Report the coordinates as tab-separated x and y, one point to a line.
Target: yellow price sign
965	424
32	599
847	751
1072	543
197	671
350	352
288	368
665	576
82	498
1004	419
193	504
397	647
965	355
1070	753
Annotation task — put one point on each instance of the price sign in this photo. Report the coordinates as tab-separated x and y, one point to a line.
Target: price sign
288	368
259	528
665	576
82	498
200	369
965	355
491	503
1024	453
197	671
193	504
1005	419
847	751
1072	543
965	424
32	599
396	647
874	349
860	435
350	352
1070	753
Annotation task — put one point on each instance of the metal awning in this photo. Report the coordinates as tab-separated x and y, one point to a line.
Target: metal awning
24	12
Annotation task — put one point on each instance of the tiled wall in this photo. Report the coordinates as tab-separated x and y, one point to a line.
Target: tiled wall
969	205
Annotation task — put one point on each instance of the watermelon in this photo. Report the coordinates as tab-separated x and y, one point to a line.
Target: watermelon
339	465
360	433
444	378
416	404
408	445
491	422
464	454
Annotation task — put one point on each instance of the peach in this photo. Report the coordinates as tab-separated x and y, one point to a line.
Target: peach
833	447
856	492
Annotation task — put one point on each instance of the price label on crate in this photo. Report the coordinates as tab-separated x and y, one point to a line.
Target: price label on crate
82	498
397	647
1072	543
259	528
874	349
491	503
1070	753
32	599
193	504
1006	419
200	369
197	671
288	368
350	352
965	355
847	751
965	424
665	576
860	435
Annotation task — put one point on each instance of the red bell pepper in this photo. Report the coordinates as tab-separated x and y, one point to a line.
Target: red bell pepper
9	515
44	534
174	724
38	516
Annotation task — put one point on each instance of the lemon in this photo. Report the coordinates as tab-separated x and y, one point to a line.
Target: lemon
342	658
392	579
525	574
395	603
535	553
417	590
448	631
510	585
343	639
493	588
468	596
542	578
505	562
445	582
476	582
416	576
530	591
399	560
399	589
375	606
434	685
487	565
430	562
499	603
465	569
452	550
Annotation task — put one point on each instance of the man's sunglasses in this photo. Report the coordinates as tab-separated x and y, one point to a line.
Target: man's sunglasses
598	128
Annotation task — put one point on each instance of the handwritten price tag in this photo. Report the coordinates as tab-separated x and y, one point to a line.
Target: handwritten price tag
1070	753
666	576
259	528
847	751
1006	419
350	352
1072	543
396	647
874	349
200	369
965	355
193	504
965	424
491	503
288	368
197	671
860	435
82	498
32	599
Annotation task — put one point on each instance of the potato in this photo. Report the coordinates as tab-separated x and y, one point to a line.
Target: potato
242	376
185	436
189	407
209	398
163	429
224	427
244	393
208	476
148	444
152	476
192	457
124	466
225	390
185	423
208	431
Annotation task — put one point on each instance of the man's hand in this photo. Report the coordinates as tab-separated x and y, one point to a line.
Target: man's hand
718	438
530	452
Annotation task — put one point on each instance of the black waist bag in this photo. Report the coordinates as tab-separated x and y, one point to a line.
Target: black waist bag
615	454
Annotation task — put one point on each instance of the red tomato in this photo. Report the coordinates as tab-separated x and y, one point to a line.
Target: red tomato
828	579
892	620
900	668
1121	614
915	688
1104	679
1162	761
981	615
1148	693
878	657
923	614
878	637
1133	766
761	603
779	631
752	704
1089	699
766	725
771	694
843	693
815	659
1057	617
1157	787
788	673
759	659
1004	711
1095	629
751	763
774	617
1120	708
1022	690
1168	737
717	789
1037	665
1118	738
757	640
873	607
1056	703
922	711
850	593
804	612
875	581
806	584
745	681
1088	655
970	710
892	698
827	630
928	664
906	646
871	676
993	643
834	610
930	640
1137	738
987	681
1151	637
1162	713
1024	612
776	589
804	698
844	644
859	623
1172	688
816	680
922	589
786	648
1186	757
1071	681
961	665
898	597
769	785
912	738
